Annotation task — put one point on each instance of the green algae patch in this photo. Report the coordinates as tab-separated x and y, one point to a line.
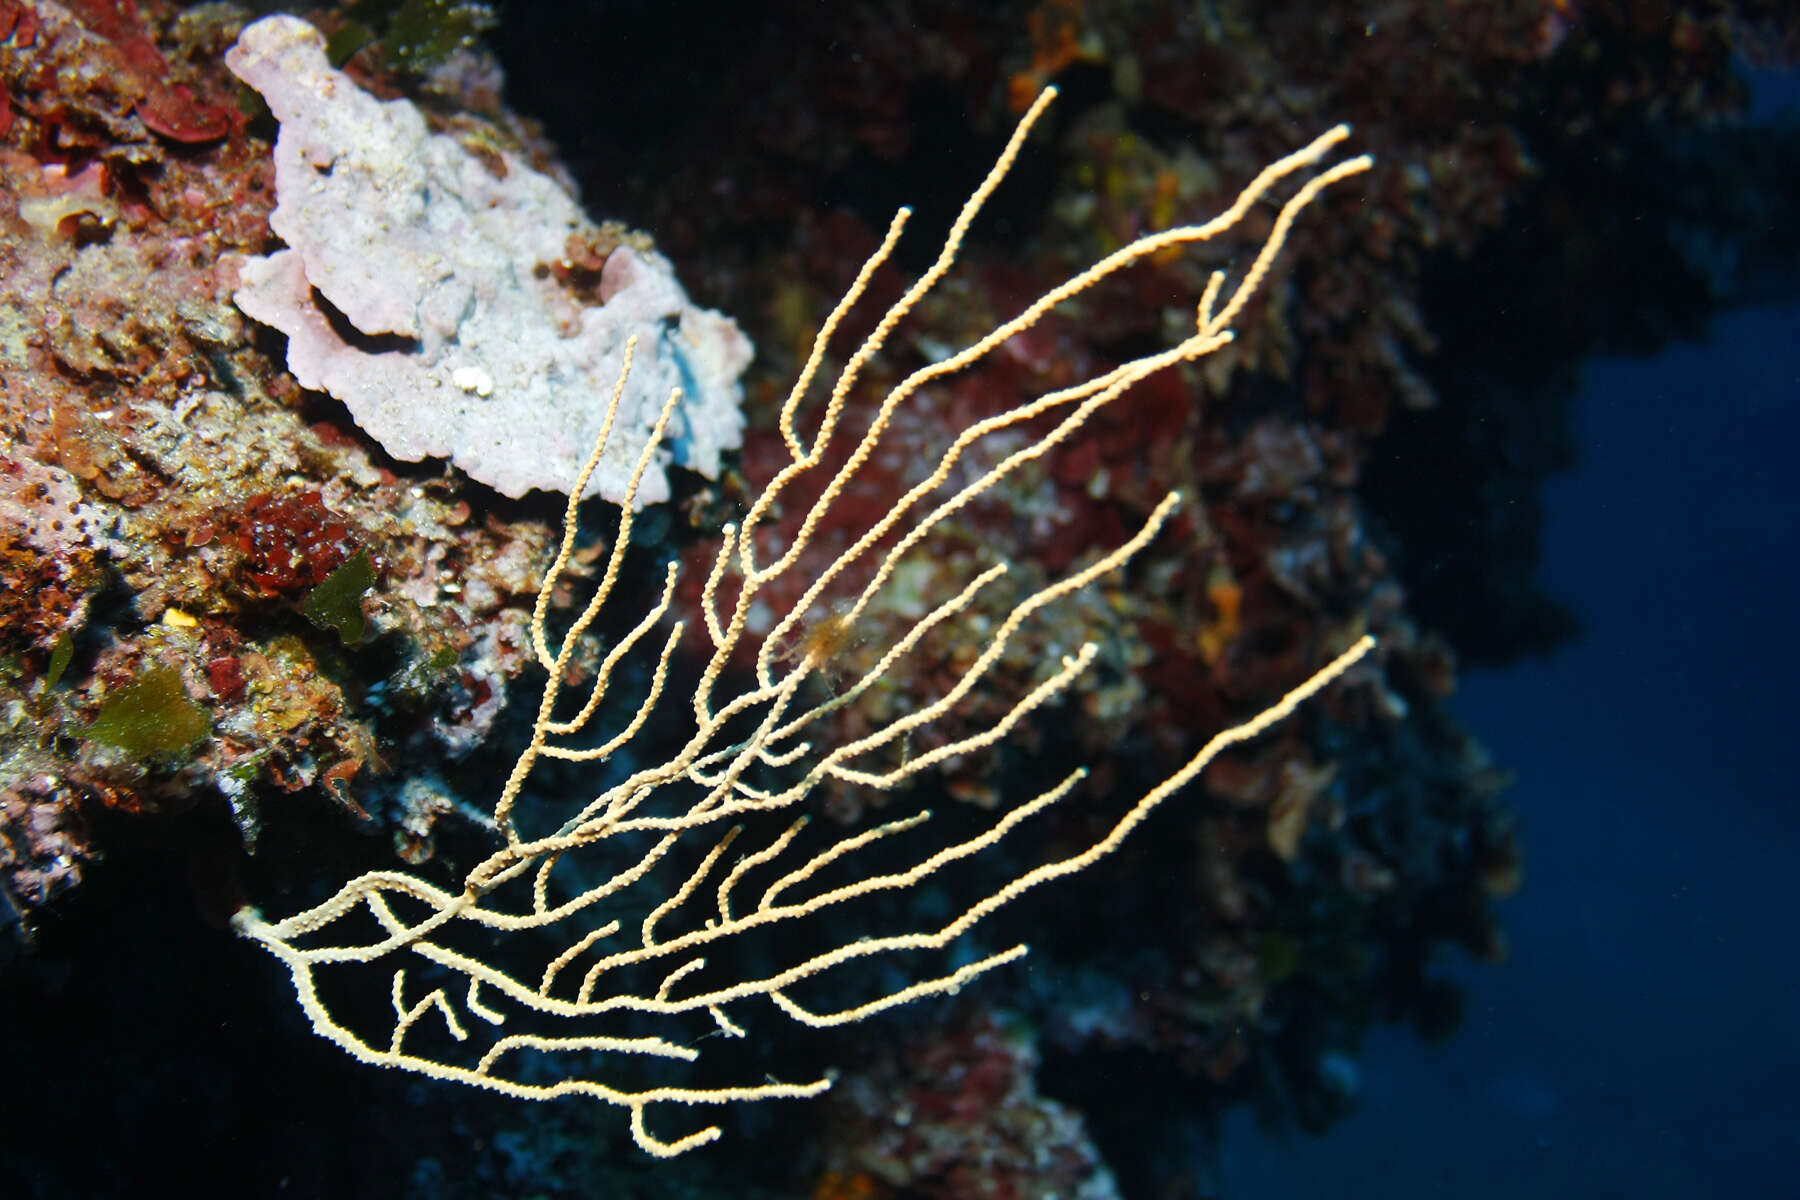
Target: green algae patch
414	35
152	717
337	602
60	657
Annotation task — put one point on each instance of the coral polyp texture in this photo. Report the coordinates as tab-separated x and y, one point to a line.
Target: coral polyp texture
440	294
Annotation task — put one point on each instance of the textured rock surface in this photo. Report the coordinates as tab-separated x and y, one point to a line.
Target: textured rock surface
462	306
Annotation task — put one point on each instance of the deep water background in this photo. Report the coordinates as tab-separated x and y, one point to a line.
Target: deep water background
1642	1040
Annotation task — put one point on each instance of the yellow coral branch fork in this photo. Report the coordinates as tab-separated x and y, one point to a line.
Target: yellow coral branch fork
605	915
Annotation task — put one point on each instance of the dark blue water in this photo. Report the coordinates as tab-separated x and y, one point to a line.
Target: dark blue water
1644	1039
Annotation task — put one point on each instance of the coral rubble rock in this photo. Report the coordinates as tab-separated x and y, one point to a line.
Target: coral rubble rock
429	289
